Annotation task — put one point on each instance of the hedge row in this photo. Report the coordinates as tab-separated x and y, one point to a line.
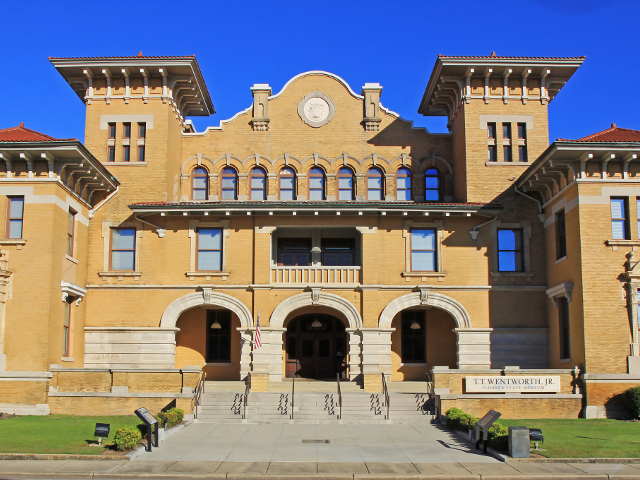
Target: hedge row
128	438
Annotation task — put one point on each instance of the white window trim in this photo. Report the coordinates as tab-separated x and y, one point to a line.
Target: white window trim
193	272
525	226
107	225
562	290
438	226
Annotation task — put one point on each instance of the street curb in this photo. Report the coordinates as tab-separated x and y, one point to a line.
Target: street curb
58	456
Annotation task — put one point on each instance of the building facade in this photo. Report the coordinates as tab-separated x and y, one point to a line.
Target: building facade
363	246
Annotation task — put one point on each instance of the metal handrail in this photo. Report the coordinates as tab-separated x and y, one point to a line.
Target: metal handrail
293	395
247	390
339	395
385	392
429	384
197	399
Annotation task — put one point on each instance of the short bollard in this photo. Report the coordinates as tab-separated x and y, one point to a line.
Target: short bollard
519	442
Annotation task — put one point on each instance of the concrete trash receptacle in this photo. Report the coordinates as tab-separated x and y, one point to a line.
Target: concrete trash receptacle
519	446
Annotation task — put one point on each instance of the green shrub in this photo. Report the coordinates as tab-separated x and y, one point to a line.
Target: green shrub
171	417
498	437
631	400
459	420
126	438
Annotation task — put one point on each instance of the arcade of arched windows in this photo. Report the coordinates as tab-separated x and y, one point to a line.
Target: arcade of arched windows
317	179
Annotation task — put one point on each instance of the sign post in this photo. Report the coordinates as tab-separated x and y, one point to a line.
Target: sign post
149	420
484	423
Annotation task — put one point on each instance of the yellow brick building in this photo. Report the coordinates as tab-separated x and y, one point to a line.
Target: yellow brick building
365	247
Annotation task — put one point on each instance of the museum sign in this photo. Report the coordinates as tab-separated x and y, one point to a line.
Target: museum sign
516	383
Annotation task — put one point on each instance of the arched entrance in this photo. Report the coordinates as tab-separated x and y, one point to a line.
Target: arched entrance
316	347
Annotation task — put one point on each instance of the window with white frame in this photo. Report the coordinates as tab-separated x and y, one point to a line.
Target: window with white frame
209	249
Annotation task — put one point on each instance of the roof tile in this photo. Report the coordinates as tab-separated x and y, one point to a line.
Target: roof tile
613	134
22	134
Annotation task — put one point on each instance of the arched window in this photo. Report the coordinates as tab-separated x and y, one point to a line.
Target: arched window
287	184
316	184
199	184
345	184
258	181
374	184
431	186
403	184
229	184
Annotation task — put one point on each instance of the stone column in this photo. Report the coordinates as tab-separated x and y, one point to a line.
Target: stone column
267	360
474	348
376	357
245	352
355	353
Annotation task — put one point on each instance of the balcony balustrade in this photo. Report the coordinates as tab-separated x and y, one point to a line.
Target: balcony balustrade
315	274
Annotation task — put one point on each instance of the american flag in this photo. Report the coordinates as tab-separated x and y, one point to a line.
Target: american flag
258	341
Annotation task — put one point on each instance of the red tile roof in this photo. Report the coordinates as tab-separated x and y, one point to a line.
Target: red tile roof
130	57
22	134
613	134
512	58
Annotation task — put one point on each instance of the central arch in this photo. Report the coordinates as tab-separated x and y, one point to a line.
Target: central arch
426	298
314	298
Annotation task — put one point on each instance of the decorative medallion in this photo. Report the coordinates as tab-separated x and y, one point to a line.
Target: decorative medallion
316	109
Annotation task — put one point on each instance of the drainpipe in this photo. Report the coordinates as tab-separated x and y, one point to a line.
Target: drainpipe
474	231
92	212
541	215
159	230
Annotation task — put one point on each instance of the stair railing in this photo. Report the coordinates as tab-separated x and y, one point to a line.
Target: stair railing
293	393
247	390
339	396
385	392
199	390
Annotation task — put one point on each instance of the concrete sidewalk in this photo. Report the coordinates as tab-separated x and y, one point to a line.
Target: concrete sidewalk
15	469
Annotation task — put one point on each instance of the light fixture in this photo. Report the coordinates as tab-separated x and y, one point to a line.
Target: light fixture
318	324
414	326
215	325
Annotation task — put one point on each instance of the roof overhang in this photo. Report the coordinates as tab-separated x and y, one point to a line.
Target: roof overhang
313	209
448	81
185	84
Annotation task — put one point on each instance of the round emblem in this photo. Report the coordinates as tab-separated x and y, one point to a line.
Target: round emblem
316	109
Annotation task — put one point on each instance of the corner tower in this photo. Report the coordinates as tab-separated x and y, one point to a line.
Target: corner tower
497	114
135	116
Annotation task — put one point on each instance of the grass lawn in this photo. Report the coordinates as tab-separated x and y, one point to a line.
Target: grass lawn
57	433
585	438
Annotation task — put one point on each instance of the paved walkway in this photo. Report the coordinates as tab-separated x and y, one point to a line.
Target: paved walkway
362	443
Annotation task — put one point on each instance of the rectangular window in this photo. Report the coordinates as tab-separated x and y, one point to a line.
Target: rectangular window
66	329
218	336
506	145
491	130
638	214
493	153
111	154
413	336
142	130
112	130
619	219
126	153
126	130
423	250
522	142
563	318
123	248
141	153
561	236
15	217
522	153
510	250
71	227
294	252
209	249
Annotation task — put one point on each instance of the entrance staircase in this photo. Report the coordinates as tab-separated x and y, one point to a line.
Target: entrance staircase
313	402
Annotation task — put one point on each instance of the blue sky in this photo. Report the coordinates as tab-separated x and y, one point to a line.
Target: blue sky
394	43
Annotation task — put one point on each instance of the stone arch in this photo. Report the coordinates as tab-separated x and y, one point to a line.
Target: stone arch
426	298
312	298
207	297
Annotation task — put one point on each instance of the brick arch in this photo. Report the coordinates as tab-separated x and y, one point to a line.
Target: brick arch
425	298
329	300
180	305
